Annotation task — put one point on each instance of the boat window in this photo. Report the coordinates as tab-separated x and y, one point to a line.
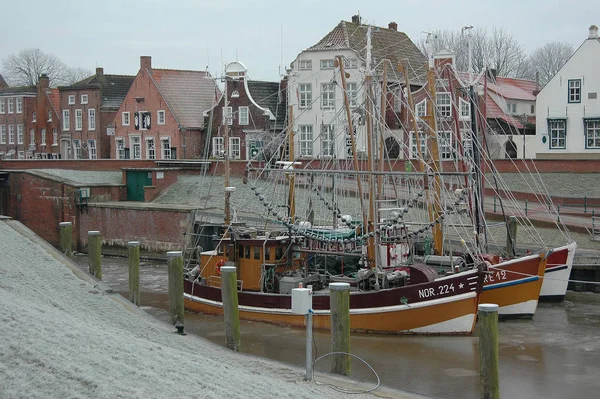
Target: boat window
278	253
240	252
256	252
247	252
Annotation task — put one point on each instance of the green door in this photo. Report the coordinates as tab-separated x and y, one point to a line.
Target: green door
136	180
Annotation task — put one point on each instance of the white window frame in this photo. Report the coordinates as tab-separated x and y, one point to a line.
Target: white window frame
43	137
328	140
414	153
592	128
421	109
92	150
92	119
305	91
125	119
218	147
243	116
445	144
71	99
305	135
2	106
19	105
20	134
327	64
305	65
78	119
352	91
76	148
574	87
350	63
557	134
465	110
66	121
2	134
327	96
11	106
33	116
160	117
83	99
11	134
165	151
235	148
150	148
228	115
120	147
49	116
54	137
135	141
32	136
443	102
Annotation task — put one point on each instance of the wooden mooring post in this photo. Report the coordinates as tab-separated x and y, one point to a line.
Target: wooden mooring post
134	272
175	263
340	327
511	236
231	312
66	238
95	253
488	351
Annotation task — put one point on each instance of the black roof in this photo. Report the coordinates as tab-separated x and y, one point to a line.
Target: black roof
19	90
272	96
114	87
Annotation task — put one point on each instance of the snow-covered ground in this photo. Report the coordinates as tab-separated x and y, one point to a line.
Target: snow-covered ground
62	336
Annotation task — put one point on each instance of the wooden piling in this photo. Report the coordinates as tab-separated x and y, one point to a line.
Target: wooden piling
134	272
175	262
488	351
511	236
66	238
229	296
95	253
340	327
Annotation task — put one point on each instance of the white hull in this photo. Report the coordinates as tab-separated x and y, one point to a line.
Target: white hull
457	325
525	309
556	277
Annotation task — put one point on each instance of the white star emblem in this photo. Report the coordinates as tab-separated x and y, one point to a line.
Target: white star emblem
460	286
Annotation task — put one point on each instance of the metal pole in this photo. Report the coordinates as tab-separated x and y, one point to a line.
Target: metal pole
309	339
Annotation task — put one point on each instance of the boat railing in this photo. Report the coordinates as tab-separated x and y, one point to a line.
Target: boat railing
215	281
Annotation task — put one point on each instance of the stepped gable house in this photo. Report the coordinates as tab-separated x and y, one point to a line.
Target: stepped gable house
257	113
88	109
162	115
29	121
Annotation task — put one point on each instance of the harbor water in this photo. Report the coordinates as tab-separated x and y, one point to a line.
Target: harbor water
555	355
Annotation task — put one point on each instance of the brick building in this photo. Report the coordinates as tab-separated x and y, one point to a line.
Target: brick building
258	112
88	109
161	116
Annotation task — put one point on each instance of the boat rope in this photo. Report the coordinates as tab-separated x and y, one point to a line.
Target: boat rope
343	390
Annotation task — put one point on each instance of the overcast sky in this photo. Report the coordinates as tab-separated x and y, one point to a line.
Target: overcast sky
194	34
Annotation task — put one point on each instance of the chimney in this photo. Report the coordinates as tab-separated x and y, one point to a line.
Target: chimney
43	82
593	32
356	19
492	73
145	62
99	71
393	26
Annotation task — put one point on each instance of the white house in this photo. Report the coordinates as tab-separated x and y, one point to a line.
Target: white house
568	108
315	87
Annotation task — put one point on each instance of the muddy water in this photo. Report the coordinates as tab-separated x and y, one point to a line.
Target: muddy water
556	355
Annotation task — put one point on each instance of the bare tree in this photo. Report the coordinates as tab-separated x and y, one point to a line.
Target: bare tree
26	67
548	59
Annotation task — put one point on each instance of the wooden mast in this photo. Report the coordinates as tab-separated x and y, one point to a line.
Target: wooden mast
382	126
291	175
226	117
371	254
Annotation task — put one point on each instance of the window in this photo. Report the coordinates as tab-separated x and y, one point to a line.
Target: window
445	143
32	136
592	133
414	152
125	119
150	150
160	117
66	121
327	96
84	100
228	115
557	132
326	64
49	116
327	140
78	119
218	147
2	106
11	106
54	137
92	153
306	140
76	149
350	63
444	104
120	147
20	134
2	134
11	134
421	109
465	109
19	105
72	99
243	115
575	91
165	147
351	90
33	117
305	95
234	148
91	119
512	108
43	136
533	108
256	252
135	143
305	65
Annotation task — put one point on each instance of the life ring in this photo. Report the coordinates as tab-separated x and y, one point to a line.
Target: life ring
220	264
